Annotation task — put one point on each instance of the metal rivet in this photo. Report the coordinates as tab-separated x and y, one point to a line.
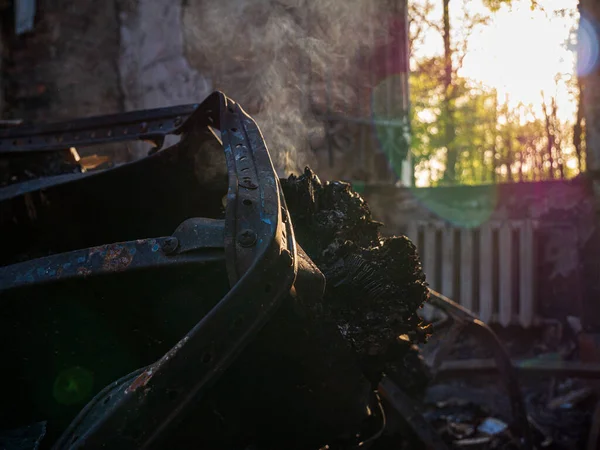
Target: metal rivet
247	238
169	245
247	183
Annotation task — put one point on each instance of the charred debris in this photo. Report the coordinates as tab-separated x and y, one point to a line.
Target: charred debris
140	310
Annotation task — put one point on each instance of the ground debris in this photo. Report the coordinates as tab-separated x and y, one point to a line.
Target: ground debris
492	426
24	438
457	407
477	442
24	167
570	399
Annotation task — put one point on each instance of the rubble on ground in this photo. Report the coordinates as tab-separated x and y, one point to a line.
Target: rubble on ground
470	410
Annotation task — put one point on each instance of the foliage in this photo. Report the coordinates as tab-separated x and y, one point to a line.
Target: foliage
495	5
490	141
495	143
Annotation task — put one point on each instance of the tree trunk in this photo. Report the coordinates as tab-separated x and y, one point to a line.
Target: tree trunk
509	158
495	141
549	139
448	113
521	162
578	127
556	140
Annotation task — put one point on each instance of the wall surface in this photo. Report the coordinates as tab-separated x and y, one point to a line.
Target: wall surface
472	205
153	67
285	62
67	67
88	58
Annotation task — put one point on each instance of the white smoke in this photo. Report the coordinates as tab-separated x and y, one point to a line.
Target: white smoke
274	56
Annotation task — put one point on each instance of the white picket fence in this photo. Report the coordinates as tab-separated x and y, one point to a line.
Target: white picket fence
489	270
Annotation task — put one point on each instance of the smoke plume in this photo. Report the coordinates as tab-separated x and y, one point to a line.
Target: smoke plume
275	57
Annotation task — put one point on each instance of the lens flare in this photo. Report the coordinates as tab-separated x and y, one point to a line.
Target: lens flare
588	47
73	385
461	206
390	121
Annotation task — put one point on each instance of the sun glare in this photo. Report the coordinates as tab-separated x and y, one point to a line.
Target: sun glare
519	53
588	57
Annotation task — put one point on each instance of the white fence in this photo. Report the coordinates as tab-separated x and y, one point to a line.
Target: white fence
489	270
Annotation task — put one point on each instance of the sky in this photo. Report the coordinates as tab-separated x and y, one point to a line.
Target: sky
519	52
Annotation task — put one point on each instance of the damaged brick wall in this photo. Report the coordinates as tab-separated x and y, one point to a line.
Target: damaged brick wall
88	58
67	66
278	59
153	67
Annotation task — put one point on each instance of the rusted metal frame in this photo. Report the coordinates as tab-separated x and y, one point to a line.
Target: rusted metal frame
403	405
181	248
377	410
435	361
199	233
10	122
102	397
105	259
151	125
137	414
471	324
254	197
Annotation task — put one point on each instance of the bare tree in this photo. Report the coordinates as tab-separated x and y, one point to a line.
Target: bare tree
454	55
553	138
549	138
448	103
579	127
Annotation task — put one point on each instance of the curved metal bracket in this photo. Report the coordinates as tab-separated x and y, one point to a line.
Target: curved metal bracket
257	241
149	125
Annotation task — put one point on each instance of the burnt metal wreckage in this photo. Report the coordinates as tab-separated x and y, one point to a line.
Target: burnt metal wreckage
92	272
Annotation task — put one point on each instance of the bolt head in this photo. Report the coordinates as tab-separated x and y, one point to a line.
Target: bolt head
247	183
247	238
169	245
